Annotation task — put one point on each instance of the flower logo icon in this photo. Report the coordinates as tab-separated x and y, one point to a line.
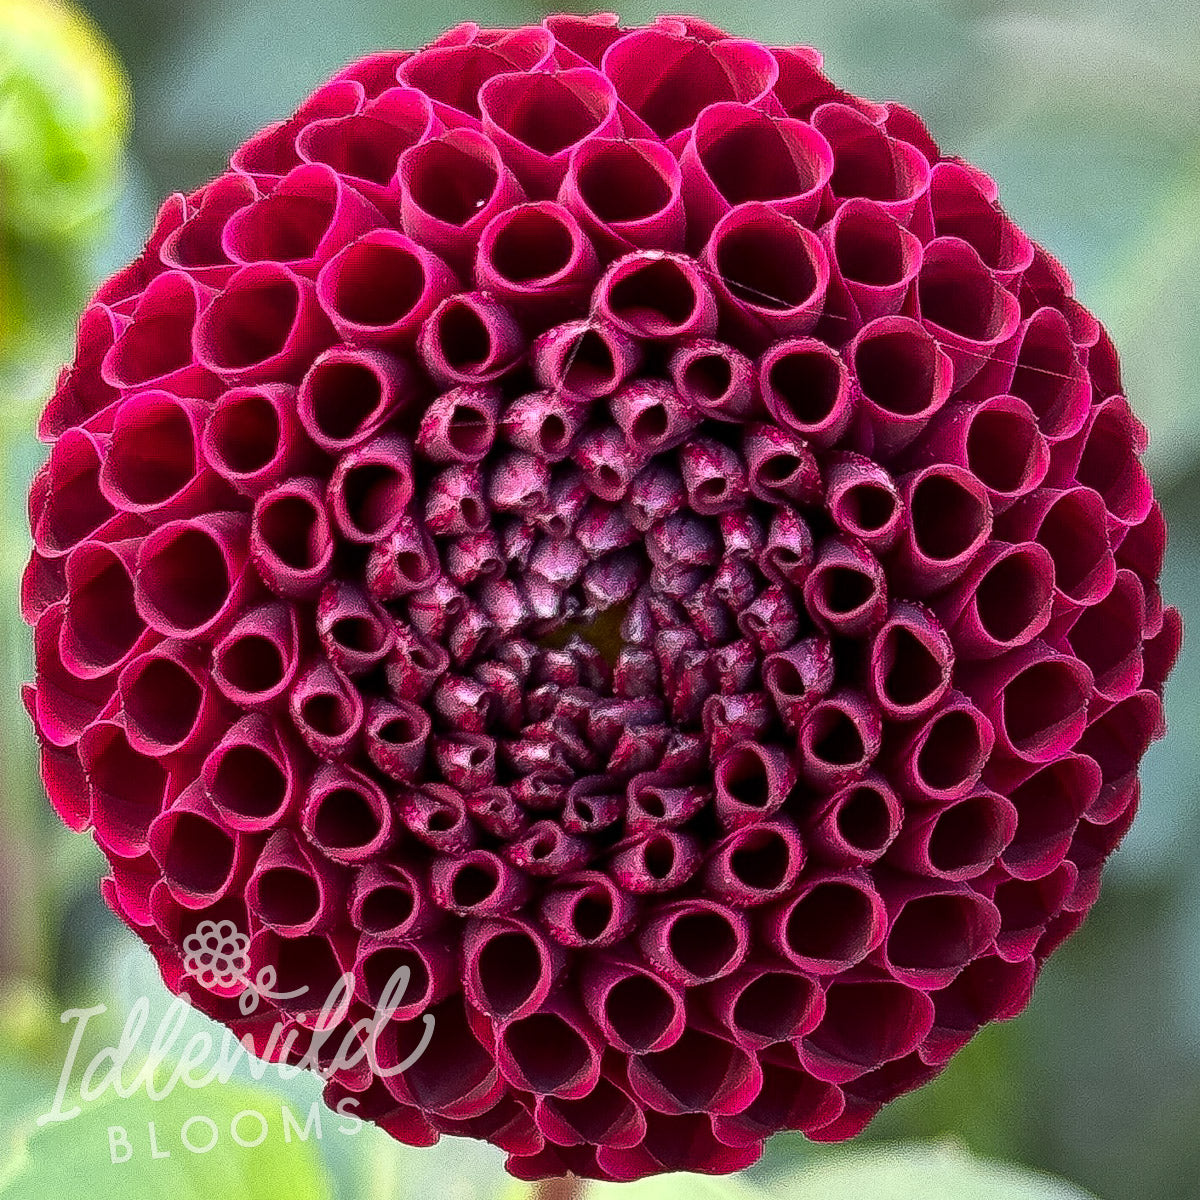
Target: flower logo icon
216	954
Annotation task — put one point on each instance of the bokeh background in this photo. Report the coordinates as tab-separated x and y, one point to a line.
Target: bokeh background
1087	112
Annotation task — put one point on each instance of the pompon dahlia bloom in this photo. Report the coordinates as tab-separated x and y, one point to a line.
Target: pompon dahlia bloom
615	524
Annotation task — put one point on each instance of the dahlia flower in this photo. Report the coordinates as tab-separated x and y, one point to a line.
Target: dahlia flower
615	524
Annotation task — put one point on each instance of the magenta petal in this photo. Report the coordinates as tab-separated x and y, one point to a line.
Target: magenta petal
903	378
537	120
737	153
256	659
291	539
830	923
252	438
654	295
867	162
770	273
201	861
874	259
251	775
265	325
867	1023
293	891
469	339
309	214
715	379
537	259
859	822
380	288
155	348
193	575
626	193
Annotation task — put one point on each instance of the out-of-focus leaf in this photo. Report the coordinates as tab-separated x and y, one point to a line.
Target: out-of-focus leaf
109	1151
1152	297
64	112
921	1173
64	117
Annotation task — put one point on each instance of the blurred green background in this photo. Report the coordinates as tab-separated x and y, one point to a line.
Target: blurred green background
1088	114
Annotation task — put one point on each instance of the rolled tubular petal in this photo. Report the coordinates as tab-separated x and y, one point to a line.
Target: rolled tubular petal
168	704
252	438
829	924
346	815
1049	804
537	121
126	789
653	295
537	259
421	971
903	379
1070	524
846	590
700	1073
192	575
256	660
450	189
737	153
911	660
153	466
1041	365
264	326
1104	457
509	966
589	358
469	338
949	523
200	859
869	163
155	349
873	257
291	539
694	941
693	74
309	214
769	272
933	934
714	379
943	757
960	841
390	901
370	488
961	301
295	892
755	864
251	776
380	289
867	1023
857	825
1037	701
348	394
626	194
998	441
805	386
1003	601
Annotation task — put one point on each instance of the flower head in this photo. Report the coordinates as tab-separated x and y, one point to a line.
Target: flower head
616	525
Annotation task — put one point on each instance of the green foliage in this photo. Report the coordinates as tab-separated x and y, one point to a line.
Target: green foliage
61	1159
64	116
921	1173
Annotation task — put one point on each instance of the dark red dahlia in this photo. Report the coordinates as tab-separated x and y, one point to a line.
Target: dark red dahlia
620	527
